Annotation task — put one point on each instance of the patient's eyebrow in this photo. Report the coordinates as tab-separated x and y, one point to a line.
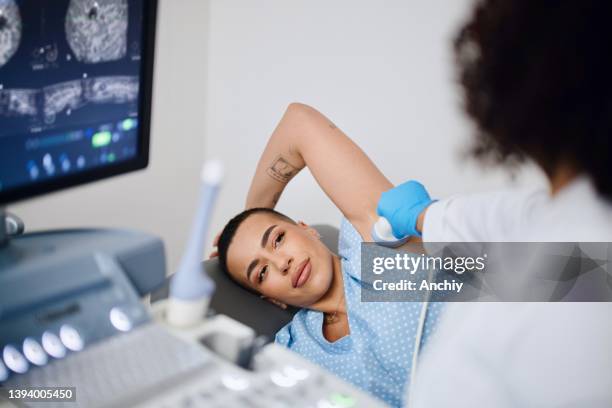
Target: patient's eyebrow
264	238
252	266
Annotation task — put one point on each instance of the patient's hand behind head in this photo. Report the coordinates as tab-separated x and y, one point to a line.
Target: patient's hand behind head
269	253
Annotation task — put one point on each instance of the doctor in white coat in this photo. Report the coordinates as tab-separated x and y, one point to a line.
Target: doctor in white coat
537	80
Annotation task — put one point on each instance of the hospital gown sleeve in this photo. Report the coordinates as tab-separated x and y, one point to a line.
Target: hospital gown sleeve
283	336
482	217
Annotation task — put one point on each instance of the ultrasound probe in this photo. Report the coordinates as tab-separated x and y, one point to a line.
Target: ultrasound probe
191	288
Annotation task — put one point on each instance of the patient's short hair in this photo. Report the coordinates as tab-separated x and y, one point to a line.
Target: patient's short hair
225	239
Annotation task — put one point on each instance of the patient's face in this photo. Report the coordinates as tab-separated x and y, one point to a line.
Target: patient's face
280	260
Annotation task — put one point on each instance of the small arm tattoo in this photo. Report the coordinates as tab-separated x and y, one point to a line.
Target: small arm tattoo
281	170
331	125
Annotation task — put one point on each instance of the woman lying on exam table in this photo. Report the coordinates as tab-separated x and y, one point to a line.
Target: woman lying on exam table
369	344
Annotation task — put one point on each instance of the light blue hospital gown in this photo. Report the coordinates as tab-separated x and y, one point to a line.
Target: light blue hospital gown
377	355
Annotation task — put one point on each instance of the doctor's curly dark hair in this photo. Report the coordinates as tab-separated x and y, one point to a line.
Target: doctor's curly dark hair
537	80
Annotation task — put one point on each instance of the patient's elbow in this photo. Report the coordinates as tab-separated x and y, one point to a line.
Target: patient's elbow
301	109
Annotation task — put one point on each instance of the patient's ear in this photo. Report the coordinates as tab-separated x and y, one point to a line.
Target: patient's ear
309	229
275	302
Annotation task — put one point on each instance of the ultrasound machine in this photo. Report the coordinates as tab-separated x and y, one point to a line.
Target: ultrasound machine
75	107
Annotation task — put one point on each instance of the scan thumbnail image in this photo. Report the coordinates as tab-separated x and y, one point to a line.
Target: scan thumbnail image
10	30
116	89
96	31
62	96
18	102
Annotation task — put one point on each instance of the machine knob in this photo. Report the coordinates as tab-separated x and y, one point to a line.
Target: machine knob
15	360
34	352
53	345
4	373
71	338
120	319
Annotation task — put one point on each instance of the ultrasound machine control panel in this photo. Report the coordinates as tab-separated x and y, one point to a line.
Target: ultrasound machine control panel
150	365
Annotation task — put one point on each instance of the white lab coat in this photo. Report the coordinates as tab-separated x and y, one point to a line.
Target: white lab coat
519	354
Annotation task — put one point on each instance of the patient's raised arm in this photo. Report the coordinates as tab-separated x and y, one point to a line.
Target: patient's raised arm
305	137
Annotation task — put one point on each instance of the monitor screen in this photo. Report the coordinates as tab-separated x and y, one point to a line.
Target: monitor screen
75	92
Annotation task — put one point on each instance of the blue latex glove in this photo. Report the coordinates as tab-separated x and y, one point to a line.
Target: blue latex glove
402	205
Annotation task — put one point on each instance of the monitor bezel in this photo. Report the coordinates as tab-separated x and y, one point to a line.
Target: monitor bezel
141	161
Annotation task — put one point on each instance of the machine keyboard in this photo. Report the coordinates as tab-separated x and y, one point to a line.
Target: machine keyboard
150	367
108	373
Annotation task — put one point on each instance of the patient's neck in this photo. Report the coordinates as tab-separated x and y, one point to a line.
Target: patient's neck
333	301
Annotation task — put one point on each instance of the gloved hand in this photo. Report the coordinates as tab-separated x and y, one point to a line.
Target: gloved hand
402	205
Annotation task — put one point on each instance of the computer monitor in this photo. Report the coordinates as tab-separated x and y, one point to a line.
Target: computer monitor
75	92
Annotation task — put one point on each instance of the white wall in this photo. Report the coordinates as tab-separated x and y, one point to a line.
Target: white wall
381	70
161	199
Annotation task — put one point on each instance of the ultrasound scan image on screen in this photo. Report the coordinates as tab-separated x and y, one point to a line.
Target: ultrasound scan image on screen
70	87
